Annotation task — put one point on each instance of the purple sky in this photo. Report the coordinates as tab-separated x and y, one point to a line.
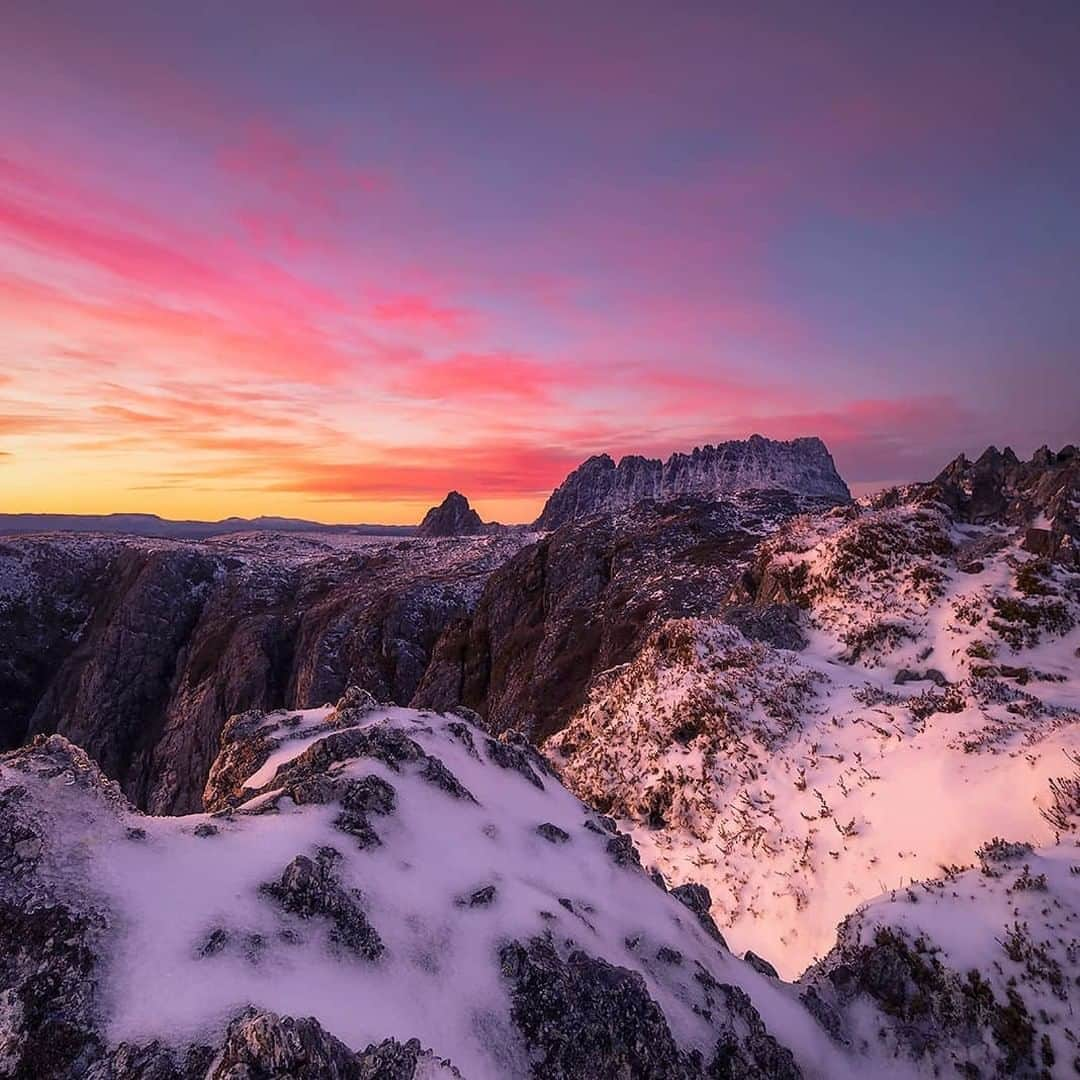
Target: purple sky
336	258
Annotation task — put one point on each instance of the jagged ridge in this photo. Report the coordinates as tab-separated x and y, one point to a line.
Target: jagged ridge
599	486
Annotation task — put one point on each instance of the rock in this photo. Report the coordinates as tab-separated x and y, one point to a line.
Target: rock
582	600
48	968
583	1017
999	487
370	795
435	772
697	898
309	889
623	851
553	833
906	675
825	1014
760	965
746	1050
140	651
599	486
152	1062
262	1044
1039	542
205	829
452	517
775	624
480	898
509	756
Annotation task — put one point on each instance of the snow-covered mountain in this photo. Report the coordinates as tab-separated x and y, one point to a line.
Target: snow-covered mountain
385	893
902	686
760	718
395	876
599	486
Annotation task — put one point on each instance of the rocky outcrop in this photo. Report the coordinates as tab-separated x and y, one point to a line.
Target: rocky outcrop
584	1017
452	517
1042	495
599	486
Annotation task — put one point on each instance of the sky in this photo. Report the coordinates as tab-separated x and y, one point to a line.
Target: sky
333	259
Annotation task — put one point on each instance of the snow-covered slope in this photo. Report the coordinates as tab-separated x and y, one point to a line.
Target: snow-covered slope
935	703
974	972
394	875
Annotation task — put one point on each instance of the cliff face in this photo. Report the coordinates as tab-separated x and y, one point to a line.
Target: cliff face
599	486
581	599
140	650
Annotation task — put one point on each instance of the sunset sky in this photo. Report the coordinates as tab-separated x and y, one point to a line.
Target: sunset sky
333	259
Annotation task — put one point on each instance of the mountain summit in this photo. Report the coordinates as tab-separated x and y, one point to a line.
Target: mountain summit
452	517
803	466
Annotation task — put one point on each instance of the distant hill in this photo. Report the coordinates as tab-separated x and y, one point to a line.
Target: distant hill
152	525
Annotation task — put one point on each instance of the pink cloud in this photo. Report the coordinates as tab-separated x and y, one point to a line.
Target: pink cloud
419	312
477	376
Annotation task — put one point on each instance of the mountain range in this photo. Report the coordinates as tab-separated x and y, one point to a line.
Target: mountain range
716	773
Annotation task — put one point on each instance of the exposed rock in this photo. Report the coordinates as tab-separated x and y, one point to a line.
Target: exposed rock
775	624
1000	487
599	486
140	650
696	897
746	1050
907	675
48	970
761	965
262	1044
452	517
552	833
482	897
308	888
584	598
583	1017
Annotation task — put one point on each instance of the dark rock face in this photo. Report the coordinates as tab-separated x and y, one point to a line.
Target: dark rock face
698	899
746	1050
308	889
582	1017
583	599
775	624
47	970
599	486
1000	487
264	1044
452	517
140	650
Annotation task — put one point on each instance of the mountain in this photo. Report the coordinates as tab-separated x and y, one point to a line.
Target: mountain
452	517
840	740
387	894
150	525
932	703
584	598
599	486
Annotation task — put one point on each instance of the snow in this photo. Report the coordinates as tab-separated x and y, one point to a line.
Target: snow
439	978
809	782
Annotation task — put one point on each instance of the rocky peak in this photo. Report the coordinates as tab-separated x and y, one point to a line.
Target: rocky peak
599	486
452	517
1042	493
